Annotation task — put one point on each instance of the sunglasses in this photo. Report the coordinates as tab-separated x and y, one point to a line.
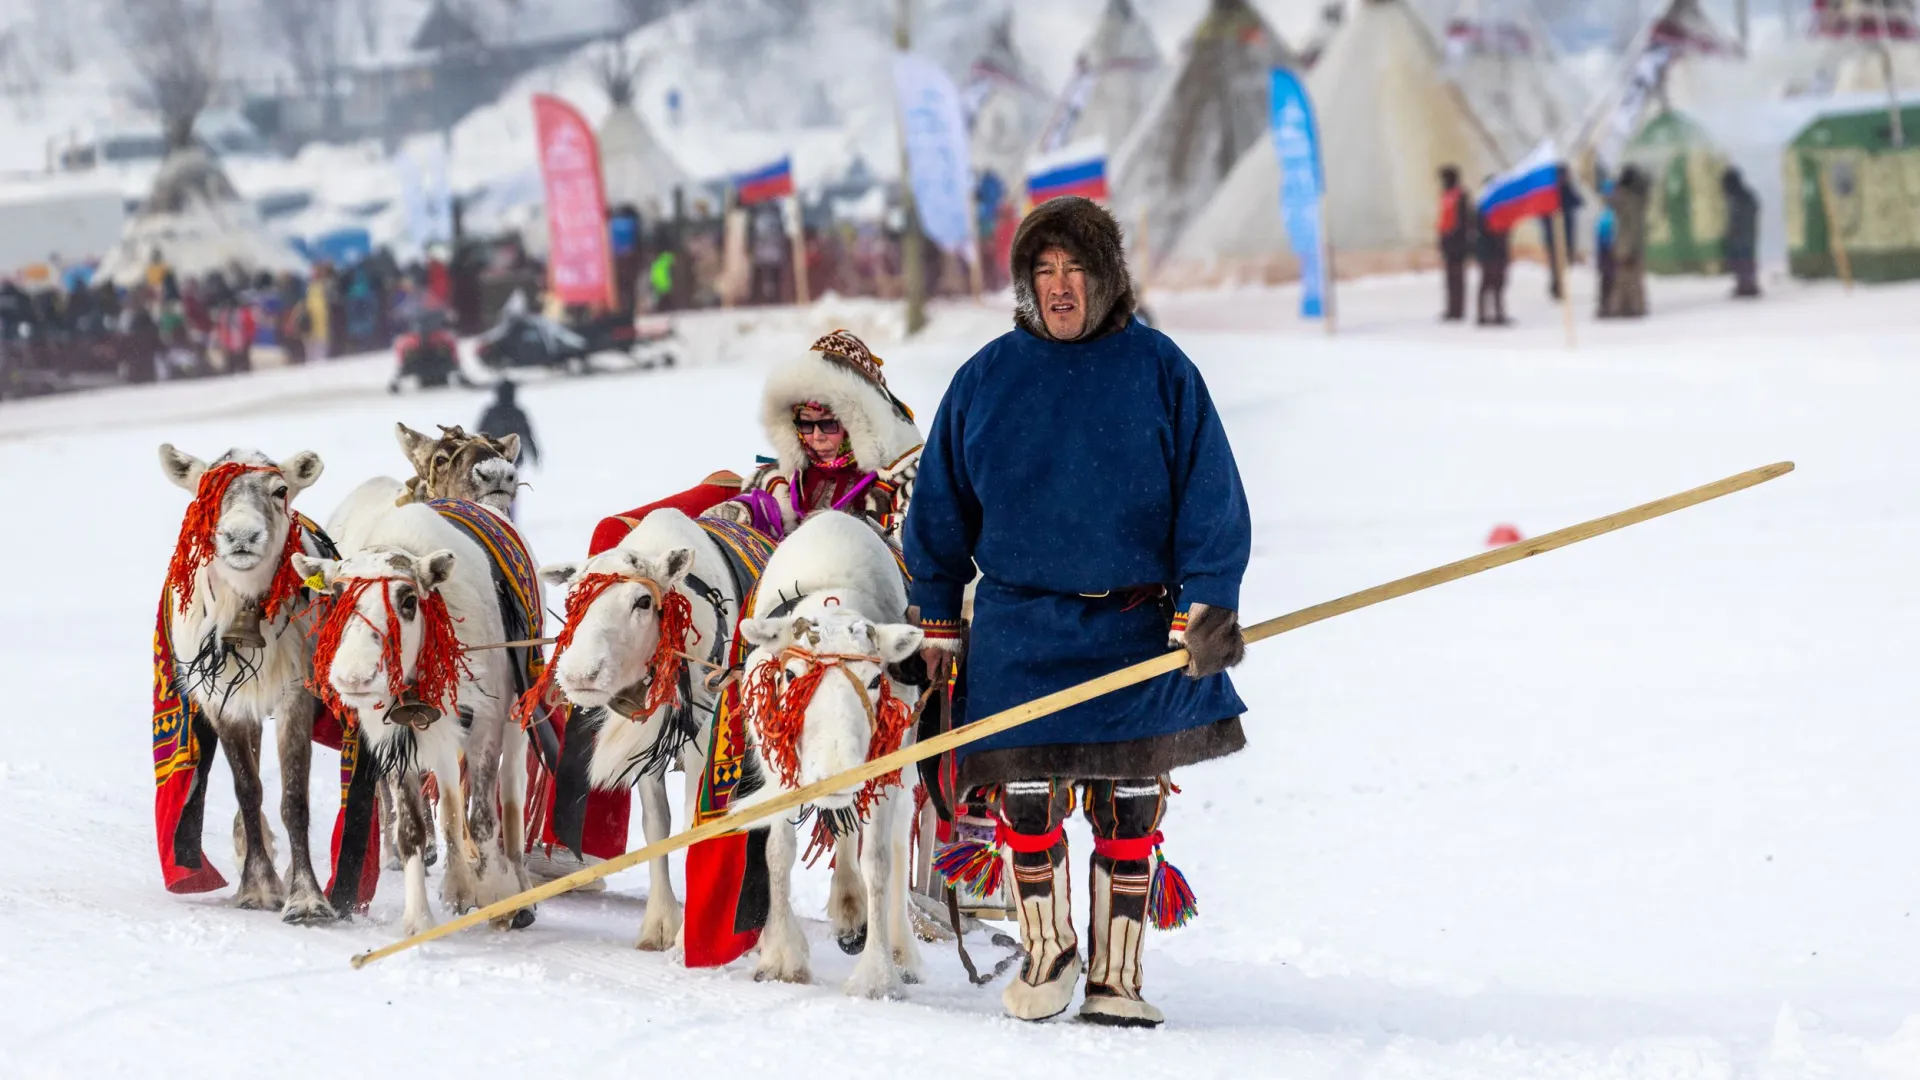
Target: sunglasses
825	427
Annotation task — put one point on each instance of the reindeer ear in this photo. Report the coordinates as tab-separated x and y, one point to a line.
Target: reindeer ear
897	641
435	570
560	573
678	562
763	633
183	469
301	470
509	448
417	447
311	568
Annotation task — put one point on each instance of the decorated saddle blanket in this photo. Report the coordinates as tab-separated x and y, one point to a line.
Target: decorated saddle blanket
517	584
184	741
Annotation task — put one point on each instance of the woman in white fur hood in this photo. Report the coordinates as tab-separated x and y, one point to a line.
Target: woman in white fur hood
843	442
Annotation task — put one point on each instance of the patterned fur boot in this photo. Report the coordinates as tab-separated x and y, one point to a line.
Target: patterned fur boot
1033	811
1125	815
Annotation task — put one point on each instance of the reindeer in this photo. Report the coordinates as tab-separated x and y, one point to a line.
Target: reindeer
829	623
476	468
242	650
635	615
410	596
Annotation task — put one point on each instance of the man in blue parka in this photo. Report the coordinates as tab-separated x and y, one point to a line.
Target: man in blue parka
1079	464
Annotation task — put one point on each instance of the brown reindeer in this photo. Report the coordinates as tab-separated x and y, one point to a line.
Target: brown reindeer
477	468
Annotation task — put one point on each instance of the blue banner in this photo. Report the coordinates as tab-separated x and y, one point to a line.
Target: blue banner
1302	184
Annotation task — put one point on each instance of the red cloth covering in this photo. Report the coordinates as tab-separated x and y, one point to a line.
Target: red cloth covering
180	783
610	812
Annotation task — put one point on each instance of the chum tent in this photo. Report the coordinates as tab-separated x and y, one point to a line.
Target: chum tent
1388	118
1503	59
1686	209
200	225
1210	111
1115	77
1011	106
1657	74
637	169
1876	206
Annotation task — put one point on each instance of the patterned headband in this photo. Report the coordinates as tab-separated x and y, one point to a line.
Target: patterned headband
850	350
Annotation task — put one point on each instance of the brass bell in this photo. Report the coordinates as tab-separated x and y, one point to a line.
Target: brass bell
411	712
631	702
244	631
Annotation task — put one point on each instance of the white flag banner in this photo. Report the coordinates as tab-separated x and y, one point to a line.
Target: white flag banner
934	129
426	197
1648	70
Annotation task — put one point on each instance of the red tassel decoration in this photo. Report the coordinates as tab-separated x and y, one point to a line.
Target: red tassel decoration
1170	900
971	865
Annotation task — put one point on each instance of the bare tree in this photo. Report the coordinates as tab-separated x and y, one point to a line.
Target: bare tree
308	34
174	47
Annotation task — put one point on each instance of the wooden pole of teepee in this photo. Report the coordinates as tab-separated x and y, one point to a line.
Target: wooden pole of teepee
1086	691
1841	264
802	295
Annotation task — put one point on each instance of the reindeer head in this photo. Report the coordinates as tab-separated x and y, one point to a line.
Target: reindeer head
388	636
241	519
818	694
457	465
617	603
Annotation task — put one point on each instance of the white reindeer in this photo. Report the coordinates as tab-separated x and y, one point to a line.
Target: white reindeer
614	614
830	612
237	684
412	562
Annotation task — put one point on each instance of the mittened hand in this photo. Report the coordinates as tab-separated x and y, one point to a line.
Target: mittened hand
1213	641
732	510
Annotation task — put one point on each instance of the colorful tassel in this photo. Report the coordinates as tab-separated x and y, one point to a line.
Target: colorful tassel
971	865
1170	900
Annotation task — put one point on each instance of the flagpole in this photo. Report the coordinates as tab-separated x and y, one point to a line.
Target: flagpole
802	295
1560	264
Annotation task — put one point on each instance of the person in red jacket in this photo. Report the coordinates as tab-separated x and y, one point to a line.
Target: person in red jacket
1456	241
237	330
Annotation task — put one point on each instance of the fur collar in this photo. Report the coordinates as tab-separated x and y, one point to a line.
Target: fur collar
1091	235
880	434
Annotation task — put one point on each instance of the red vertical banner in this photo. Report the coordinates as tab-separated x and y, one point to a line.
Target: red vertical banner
579	249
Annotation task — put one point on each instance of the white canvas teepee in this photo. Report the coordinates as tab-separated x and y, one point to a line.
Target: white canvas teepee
637	169
1503	59
1114	78
199	224
1202	122
1388	119
1011	106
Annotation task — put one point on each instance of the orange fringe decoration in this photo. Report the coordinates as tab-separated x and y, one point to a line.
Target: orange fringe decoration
438	669
195	548
676	622
779	717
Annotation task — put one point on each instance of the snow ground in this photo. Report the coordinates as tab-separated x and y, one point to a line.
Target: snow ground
1639	808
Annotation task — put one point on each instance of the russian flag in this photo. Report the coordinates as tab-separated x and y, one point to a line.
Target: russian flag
1530	189
1085	177
772	182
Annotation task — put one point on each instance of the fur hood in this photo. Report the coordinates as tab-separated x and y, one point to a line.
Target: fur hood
1090	234
880	427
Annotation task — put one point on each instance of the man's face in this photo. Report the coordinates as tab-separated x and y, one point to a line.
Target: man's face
1060	284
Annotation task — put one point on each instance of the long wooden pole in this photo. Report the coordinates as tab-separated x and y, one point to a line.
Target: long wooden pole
802	295
1093	688
1839	250
1560	267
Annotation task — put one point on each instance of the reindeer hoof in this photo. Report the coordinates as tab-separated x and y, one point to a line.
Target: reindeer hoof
522	918
853	942
311	912
800	977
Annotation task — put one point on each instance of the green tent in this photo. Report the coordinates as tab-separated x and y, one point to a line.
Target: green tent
1686	212
1875	191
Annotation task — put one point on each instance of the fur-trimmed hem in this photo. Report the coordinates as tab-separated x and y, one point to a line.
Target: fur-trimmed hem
1105	761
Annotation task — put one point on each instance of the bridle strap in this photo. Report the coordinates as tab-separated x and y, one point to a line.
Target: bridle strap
839	661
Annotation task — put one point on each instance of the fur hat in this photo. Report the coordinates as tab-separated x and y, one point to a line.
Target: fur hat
841	373
1088	233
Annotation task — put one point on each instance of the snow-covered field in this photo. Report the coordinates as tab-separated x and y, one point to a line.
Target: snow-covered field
1640	808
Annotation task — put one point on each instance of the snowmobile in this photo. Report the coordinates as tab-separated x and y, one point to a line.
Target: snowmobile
429	353
523	339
